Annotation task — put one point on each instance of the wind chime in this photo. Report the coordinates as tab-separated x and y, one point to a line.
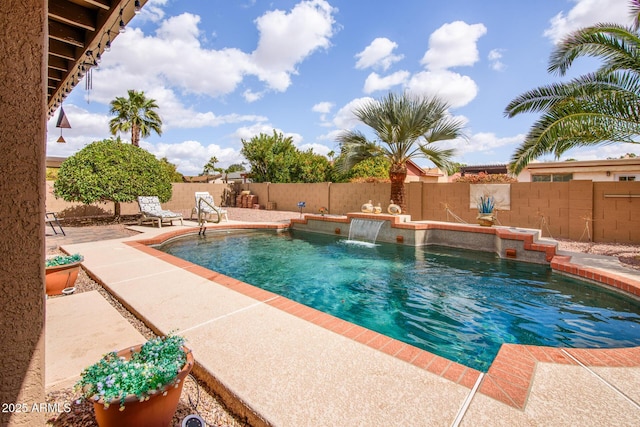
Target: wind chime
63	123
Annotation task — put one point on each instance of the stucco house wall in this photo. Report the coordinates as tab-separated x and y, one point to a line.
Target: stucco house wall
22	176
594	170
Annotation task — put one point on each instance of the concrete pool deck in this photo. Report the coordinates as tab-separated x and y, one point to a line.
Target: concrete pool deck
280	363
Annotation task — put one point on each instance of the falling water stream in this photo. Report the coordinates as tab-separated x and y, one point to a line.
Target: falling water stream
364	230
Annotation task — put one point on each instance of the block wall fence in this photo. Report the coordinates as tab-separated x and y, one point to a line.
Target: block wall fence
576	210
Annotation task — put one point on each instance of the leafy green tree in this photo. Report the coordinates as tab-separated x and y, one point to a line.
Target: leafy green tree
137	114
374	167
456	167
172	170
211	166
405	127
109	170
52	174
311	167
272	157
602	107
236	167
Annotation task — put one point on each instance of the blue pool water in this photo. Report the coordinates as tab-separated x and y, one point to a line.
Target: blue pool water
458	304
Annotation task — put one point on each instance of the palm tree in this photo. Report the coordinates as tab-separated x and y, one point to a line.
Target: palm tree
405	127
136	114
211	166
602	107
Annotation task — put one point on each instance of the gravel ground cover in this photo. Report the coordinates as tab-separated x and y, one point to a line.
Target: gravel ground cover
628	255
196	397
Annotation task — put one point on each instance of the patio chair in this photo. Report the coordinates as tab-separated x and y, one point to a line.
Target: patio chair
52	219
151	211
206	207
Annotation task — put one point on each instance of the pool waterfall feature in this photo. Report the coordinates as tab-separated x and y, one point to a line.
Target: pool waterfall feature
507	242
365	230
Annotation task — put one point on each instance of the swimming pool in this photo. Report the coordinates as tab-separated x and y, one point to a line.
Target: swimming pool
455	303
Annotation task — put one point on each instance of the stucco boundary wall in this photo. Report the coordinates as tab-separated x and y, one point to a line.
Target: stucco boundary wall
576	210
506	242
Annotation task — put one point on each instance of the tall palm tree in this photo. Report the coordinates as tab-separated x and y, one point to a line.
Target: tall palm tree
602	107
405	128
136	114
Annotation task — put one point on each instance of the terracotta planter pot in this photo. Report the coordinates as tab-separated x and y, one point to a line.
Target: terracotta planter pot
60	277
485	219
155	412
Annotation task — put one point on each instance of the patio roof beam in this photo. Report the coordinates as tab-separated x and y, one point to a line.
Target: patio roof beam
62	50
102	4
73	14
54	75
57	63
66	34
79	30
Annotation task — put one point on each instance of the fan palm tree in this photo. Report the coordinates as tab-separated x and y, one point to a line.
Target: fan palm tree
602	107
136	114
405	128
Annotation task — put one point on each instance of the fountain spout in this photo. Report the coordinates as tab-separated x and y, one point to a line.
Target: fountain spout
364	230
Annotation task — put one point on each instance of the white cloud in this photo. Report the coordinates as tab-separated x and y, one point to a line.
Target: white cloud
286	39
175	114
494	57
586	13
86	128
251	96
191	156
331	136
323	107
344	118
180	61
453	45
601	152
248	132
152	11
488	141
456	89
495	149
317	148
375	82
378	54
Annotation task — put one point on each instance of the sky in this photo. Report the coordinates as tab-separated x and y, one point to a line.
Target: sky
224	71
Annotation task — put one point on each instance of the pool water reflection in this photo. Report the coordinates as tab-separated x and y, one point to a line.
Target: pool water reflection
455	303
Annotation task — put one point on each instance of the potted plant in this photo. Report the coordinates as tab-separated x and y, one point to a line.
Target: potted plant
138	386
323	211
61	272
485	211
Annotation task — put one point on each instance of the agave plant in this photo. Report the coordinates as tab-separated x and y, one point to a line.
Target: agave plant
486	205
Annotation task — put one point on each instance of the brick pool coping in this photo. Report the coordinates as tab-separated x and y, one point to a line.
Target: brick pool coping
510	376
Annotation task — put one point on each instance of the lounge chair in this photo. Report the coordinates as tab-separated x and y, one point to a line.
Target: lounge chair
206	207
152	212
52	219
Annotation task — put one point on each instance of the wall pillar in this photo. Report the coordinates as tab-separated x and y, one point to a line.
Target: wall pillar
23	31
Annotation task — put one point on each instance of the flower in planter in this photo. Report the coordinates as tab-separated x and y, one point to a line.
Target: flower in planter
323	211
59	260
146	372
